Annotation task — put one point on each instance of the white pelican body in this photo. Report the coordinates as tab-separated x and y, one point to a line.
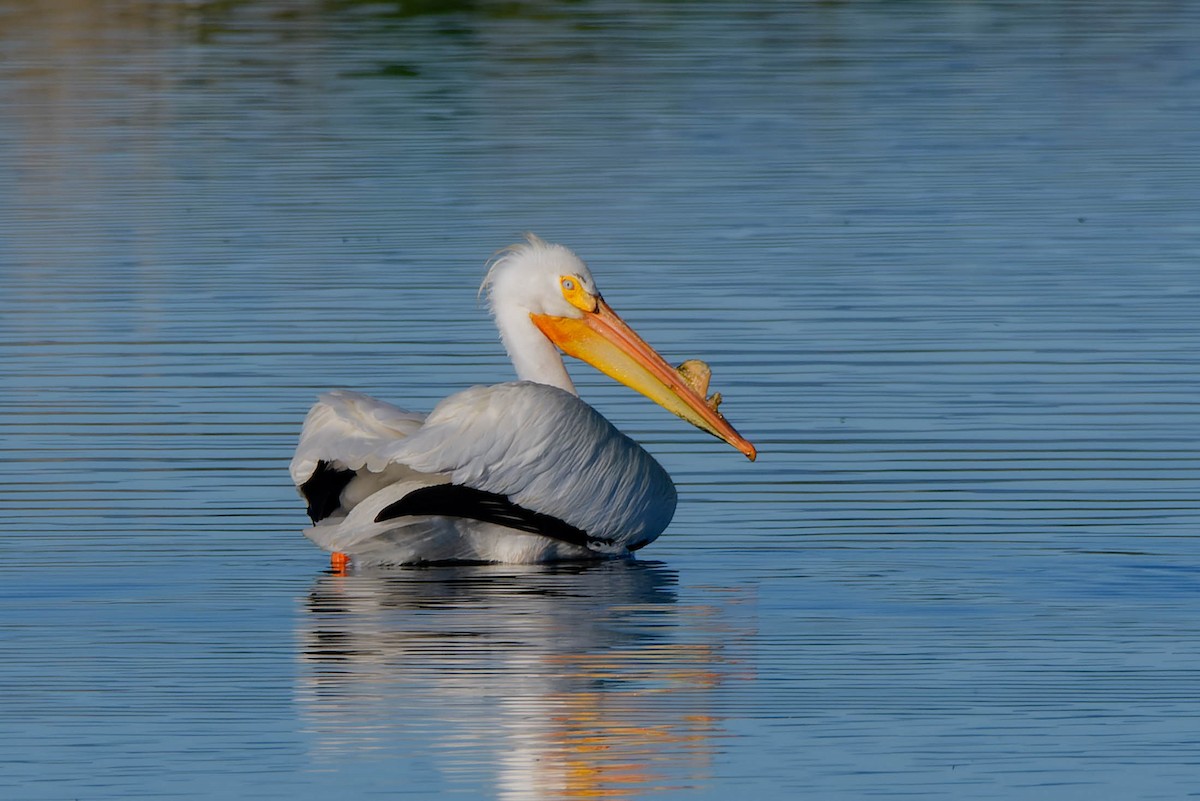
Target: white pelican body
518	472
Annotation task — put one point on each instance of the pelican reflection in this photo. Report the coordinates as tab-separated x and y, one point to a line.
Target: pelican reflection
544	681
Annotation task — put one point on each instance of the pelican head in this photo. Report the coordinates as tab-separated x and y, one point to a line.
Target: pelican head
544	300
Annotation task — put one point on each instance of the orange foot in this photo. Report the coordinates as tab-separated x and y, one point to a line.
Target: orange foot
339	562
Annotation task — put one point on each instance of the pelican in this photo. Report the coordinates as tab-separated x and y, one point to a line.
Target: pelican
520	472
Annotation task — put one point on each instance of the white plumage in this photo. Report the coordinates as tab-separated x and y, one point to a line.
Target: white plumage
517	472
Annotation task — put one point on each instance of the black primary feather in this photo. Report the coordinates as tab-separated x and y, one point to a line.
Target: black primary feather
455	500
323	490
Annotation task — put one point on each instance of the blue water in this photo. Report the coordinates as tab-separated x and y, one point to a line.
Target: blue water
943	258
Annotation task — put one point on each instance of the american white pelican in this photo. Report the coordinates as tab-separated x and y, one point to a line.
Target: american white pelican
519	472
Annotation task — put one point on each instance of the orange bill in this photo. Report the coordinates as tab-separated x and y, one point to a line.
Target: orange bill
605	341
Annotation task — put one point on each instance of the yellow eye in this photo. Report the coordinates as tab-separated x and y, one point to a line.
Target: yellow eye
576	295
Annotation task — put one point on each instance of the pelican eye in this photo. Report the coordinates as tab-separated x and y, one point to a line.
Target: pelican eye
576	295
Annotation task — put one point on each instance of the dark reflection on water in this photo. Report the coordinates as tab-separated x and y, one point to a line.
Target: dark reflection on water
538	682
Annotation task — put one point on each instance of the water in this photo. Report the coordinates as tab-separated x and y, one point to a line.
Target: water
941	257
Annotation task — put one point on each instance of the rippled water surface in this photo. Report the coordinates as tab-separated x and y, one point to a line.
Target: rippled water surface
944	259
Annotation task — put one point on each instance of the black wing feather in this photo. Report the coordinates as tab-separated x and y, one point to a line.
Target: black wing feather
456	500
323	490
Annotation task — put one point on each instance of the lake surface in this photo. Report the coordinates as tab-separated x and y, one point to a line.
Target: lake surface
944	259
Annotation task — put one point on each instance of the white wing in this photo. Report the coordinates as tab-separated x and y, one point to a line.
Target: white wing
347	428
547	451
344	431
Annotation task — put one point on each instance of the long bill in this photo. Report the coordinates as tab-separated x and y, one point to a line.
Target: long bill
605	341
